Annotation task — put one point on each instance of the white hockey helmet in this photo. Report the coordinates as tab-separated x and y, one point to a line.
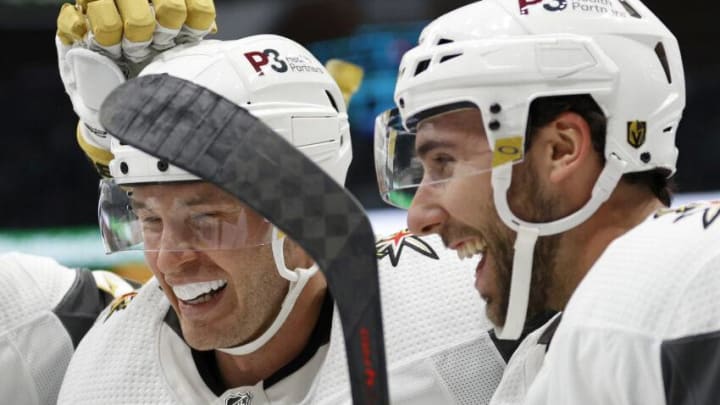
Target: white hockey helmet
277	81
500	55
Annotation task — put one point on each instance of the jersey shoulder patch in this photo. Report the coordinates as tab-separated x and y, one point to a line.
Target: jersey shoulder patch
394	245
707	211
119	304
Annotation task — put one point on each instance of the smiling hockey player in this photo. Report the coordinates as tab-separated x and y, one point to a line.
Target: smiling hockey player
237	312
540	139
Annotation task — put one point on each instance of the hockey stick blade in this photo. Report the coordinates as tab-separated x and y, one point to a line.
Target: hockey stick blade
209	136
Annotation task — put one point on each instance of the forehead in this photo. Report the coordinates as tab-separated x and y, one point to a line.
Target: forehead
187	193
459	130
459	122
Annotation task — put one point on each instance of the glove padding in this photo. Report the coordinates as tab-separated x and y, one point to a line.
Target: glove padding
101	43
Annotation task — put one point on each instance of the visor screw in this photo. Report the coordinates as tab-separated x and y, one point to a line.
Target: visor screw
495	108
494	125
402	103
124	168
162	165
645	157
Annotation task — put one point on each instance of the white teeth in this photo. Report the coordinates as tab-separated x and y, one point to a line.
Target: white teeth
191	291
470	249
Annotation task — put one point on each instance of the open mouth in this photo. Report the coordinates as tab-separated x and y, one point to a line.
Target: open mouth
198	293
471	248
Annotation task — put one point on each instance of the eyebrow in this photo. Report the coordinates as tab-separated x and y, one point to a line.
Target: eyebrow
193	201
428	146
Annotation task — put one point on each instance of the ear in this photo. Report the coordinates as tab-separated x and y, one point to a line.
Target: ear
569	146
295	256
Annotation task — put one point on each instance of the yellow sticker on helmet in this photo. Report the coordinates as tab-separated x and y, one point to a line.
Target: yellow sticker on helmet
507	150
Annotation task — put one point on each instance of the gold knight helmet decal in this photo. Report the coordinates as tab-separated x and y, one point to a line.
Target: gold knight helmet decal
636	133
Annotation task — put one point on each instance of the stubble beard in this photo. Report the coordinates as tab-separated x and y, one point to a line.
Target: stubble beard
501	240
257	307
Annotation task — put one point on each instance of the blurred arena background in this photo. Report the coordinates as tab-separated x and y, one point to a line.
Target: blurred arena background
49	190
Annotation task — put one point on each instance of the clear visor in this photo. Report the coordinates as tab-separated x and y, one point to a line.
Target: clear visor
445	147
175	217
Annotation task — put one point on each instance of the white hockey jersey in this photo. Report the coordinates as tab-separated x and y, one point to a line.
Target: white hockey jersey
643	327
45	309
525	363
436	335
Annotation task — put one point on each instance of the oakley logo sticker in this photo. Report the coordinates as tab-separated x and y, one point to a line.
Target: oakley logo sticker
507	150
636	133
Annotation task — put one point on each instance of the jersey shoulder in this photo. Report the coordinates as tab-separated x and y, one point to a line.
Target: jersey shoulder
118	358
436	333
645	276
30	285
696	217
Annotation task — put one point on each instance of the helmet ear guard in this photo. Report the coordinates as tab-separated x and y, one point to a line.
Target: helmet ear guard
624	58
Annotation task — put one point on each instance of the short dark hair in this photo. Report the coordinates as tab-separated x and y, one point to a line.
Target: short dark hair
545	109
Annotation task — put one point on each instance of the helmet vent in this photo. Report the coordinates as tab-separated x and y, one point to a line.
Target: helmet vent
332	101
422	66
668	129
448	57
443	41
630	9
660	52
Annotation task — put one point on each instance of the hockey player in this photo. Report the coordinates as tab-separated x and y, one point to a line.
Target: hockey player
237	313
541	141
47	308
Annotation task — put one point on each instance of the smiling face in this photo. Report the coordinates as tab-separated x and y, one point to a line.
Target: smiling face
455	201
208	252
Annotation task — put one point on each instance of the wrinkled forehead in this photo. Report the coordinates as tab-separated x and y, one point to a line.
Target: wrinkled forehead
463	125
181	194
466	120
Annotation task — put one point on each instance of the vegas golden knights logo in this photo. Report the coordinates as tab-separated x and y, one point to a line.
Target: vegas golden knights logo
244	398
636	133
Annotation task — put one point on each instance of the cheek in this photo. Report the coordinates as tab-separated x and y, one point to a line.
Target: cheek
243	267
468	199
151	260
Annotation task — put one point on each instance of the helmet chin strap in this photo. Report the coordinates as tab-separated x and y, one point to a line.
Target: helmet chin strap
298	278
528	232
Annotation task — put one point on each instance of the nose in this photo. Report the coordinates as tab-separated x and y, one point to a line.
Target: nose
426	215
175	249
